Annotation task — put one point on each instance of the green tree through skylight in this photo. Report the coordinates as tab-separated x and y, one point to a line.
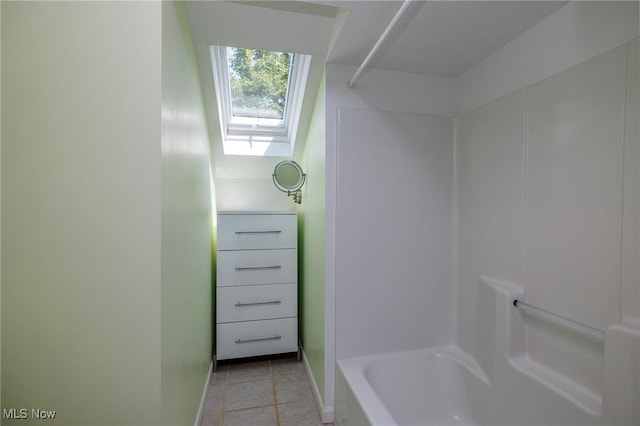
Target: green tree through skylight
259	80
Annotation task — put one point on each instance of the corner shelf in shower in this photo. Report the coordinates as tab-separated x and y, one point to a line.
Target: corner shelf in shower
587	400
514	326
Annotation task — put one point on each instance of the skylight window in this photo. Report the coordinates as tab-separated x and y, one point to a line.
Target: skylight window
259	80
259	94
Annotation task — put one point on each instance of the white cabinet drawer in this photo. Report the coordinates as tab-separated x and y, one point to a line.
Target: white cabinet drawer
253	231
256	302
250	267
252	338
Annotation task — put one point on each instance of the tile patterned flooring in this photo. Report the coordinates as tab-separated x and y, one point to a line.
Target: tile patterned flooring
272	392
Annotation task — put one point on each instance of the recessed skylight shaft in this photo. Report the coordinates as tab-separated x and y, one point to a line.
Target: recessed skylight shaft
259	94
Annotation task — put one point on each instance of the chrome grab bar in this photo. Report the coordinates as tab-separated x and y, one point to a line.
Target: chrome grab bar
253	268
272	302
276	337
517	303
258	232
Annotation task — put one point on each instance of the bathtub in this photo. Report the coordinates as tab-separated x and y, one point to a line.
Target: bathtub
444	386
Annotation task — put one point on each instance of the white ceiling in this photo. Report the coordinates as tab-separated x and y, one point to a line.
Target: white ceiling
437	37
442	38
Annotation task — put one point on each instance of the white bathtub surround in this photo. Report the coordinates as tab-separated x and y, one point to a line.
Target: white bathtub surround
446	386
630	275
548	184
573	34
516	371
407	211
356	172
621	373
547	191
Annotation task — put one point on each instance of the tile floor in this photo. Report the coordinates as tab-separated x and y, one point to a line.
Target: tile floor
272	392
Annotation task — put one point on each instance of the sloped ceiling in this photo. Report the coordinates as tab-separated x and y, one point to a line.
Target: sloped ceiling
281	26
443	38
437	37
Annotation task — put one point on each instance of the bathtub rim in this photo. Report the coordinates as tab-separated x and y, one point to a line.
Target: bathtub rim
352	369
354	372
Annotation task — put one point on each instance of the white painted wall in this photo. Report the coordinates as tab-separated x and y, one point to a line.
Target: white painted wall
571	35
252	194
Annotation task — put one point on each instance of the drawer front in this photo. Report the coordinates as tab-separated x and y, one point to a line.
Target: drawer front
253	338
256	302
254	231
250	267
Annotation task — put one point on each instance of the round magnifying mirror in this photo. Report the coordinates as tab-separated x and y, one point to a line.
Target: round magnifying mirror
288	175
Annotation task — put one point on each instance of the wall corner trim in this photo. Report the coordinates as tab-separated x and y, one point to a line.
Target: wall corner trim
327	413
203	399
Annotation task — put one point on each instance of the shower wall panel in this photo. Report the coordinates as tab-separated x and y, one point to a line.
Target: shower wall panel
575	133
394	232
489	167
547	193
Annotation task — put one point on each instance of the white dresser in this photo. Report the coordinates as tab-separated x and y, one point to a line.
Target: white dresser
257	284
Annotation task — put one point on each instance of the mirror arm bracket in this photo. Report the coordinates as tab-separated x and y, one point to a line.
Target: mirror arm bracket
294	191
296	194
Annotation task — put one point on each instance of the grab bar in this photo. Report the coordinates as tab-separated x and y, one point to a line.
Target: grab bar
518	303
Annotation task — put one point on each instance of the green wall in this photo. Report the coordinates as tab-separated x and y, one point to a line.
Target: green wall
0	208
311	218
186	224
81	211
105	198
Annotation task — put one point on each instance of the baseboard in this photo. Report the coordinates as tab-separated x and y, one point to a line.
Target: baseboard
203	399
326	413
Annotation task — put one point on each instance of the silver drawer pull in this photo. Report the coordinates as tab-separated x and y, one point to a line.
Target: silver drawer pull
258	232
272	302
276	337
254	268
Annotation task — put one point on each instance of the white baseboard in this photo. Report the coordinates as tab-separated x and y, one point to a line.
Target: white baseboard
326	413
203	399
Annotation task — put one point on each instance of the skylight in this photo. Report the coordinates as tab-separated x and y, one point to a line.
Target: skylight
259	94
259	80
